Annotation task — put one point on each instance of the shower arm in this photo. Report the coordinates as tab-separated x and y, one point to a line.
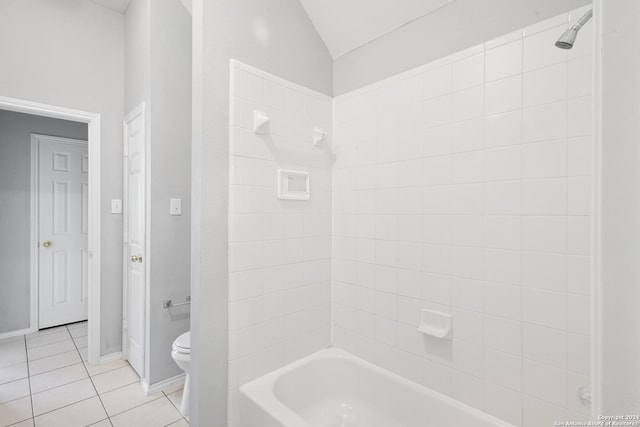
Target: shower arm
583	20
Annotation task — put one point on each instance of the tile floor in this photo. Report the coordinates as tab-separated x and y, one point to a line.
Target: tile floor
45	382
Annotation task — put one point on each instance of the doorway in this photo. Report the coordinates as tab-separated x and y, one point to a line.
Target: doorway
59	187
92	293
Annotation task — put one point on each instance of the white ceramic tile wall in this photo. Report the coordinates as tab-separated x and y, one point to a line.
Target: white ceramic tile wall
279	250
464	186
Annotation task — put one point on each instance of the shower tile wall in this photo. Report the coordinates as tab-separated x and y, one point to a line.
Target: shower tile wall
464	186
279	251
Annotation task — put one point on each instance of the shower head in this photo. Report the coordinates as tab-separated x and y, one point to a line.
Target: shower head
568	38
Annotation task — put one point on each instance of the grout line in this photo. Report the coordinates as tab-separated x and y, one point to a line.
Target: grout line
50	355
55	369
92	383
26	353
136	406
171	401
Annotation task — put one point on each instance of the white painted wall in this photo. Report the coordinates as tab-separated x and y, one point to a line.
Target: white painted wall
279	250
158	72
464	187
76	65
15	193
457	26
619	109
277	37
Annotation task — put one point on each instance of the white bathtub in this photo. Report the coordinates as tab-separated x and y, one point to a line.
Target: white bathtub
333	388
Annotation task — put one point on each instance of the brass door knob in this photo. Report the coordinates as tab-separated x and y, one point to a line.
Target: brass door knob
47	244
136	258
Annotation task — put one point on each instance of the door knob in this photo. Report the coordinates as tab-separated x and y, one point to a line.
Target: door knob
47	244
136	258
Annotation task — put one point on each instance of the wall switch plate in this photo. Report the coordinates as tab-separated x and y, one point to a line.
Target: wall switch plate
116	206
175	206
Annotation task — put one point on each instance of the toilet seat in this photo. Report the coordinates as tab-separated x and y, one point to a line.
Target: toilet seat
182	344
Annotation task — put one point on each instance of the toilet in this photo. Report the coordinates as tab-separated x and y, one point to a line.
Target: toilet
181	353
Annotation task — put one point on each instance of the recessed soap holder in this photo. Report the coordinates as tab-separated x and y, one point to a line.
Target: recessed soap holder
435	324
293	185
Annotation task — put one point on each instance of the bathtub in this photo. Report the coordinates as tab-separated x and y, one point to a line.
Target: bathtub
333	388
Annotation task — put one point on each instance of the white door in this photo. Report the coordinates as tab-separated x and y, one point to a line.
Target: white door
135	242
62	230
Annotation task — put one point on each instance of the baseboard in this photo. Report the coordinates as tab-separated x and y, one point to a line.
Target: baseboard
16	333
110	357
159	386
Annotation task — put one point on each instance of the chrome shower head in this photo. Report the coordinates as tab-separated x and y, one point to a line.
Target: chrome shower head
568	38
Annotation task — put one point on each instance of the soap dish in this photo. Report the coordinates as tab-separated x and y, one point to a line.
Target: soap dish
435	324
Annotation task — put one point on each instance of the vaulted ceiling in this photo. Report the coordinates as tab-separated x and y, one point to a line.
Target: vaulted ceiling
117	5
345	25
122	5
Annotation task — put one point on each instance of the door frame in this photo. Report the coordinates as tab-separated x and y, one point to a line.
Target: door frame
93	208
35	221
140	110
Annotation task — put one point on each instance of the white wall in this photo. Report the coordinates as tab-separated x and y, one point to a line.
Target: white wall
279	250
15	201
70	54
619	107
457	26
277	37
158	72
464	186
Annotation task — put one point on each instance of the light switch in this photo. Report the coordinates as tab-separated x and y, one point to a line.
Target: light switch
116	206
175	206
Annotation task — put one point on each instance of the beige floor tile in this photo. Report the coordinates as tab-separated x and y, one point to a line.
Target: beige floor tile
64	395
158	413
81	331
79	414
15	411
54	362
12	355
50	349
11	343
180	423
176	398
105	367
14	390
103	423
127	397
77	325
173	388
58	377
84	354
38	340
48	331
13	373
115	379
81	341
10	340
25	423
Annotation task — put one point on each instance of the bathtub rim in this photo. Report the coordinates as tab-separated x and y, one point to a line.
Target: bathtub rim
261	391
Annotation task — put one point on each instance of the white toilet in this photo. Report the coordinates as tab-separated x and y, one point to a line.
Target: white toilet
181	353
